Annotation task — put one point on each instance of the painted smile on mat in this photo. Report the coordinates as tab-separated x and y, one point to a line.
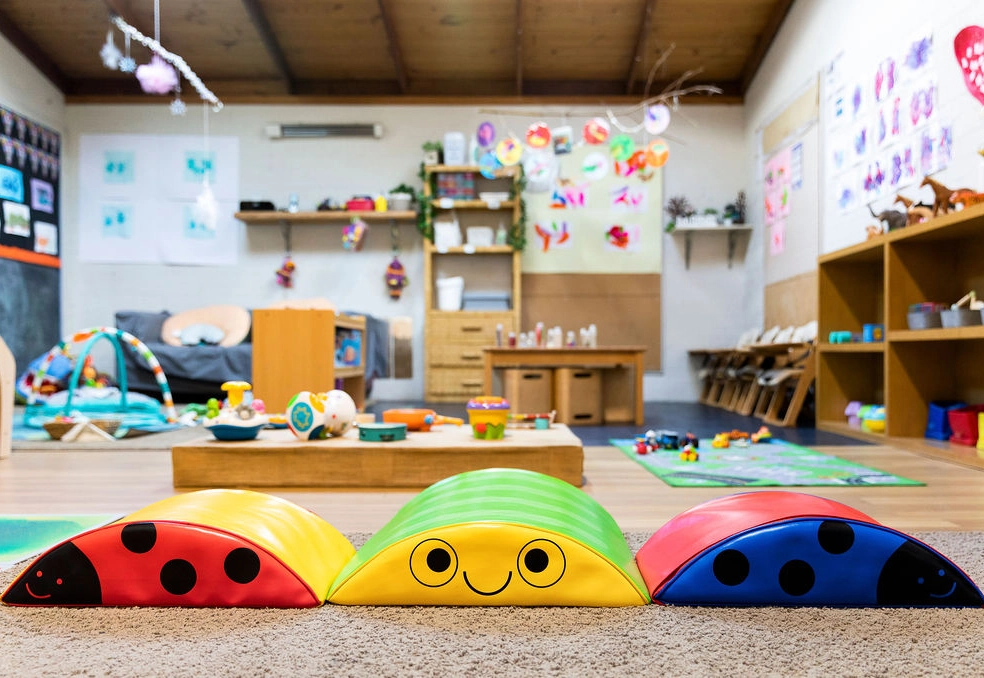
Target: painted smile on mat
33	594
488	593
949	593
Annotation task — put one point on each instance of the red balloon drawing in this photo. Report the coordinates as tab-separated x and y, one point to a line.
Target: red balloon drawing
968	47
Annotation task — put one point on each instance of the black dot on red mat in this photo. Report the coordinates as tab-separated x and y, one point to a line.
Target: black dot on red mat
242	565
139	537
835	536
178	577
731	567
796	578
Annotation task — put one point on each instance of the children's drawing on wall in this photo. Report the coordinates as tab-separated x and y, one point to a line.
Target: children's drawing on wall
968	47
568	195
595	166
195	227
627	198
16	219
623	238
116	221
45	238
777	238
541	170
11	184
197	165
555	234
778	182
118	167
42	196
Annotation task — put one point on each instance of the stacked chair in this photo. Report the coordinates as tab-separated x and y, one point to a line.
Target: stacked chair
783	389
715	362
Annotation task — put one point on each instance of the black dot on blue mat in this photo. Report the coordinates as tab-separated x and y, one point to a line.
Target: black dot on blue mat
178	577
139	537
835	536
731	567
536	560
438	560
242	565
796	577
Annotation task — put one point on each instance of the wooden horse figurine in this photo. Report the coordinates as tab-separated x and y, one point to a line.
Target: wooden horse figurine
941	199
915	212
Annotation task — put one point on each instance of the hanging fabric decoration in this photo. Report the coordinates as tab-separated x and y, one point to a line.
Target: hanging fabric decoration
110	53
285	274
396	278
353	234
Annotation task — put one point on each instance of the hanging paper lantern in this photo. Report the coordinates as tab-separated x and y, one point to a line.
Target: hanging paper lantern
396	278
509	151
594	166
489	164
538	135
596	131
657	118
622	147
157	77
968	47
353	234
485	134
657	153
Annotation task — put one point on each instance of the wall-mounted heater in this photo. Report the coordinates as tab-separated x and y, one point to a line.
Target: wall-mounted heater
319	131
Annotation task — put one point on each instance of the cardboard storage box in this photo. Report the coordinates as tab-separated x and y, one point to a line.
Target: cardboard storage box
577	395
528	391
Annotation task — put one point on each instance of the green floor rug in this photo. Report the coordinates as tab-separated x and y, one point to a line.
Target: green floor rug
23	537
776	464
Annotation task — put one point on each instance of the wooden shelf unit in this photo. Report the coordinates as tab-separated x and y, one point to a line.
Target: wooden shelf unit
453	369
875	282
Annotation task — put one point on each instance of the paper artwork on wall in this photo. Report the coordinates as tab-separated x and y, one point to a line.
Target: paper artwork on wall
555	234
16	219
623	238
778	179
42	196
45	238
629	199
777	238
137	199
11	184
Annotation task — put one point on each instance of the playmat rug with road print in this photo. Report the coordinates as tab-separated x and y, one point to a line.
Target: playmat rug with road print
26	536
776	464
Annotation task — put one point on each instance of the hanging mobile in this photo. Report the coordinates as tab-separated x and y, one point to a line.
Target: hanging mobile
396	277
285	274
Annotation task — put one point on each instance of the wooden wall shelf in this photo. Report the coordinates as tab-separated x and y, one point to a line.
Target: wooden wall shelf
277	218
875	282
688	234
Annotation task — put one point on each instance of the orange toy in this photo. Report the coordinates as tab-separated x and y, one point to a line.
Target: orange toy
418	419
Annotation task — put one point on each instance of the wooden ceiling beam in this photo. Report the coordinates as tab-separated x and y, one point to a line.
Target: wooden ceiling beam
259	20
519	47
33	53
124	10
755	59
393	44
645	26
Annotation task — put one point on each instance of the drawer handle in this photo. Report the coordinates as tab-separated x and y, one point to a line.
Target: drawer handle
471	328
471	356
472	382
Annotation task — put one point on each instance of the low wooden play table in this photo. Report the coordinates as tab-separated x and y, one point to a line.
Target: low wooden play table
276	459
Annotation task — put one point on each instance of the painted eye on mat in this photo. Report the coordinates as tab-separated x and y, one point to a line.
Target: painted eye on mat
433	562
541	563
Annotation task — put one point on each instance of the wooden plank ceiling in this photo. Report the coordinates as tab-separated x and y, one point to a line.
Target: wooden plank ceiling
408	50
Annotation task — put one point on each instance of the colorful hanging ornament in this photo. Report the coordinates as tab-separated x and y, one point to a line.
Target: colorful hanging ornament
596	131
127	64
968	46
538	135
157	77
509	151
110	53
657	153
178	107
657	118
594	166
353	234
621	147
396	278
485	134
285	274
489	164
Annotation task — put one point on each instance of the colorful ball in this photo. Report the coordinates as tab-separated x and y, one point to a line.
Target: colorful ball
306	415
340	411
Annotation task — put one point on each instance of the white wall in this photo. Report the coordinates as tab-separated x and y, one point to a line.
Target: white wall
702	306
25	90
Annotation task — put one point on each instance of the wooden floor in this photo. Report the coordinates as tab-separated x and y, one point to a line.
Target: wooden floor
121	481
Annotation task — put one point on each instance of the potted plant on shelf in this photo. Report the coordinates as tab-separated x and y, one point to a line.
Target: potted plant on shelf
677	207
432	152
402	197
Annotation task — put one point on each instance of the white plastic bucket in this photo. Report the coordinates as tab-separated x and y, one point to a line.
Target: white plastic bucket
449	293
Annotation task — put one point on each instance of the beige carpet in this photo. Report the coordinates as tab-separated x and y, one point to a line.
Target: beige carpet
444	642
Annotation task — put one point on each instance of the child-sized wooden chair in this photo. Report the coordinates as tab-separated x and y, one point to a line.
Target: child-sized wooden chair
784	389
7	378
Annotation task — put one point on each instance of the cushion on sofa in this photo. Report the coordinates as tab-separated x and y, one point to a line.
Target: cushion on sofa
234	321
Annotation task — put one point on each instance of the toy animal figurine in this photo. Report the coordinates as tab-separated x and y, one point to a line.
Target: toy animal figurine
965	198
941	195
915	212
893	219
872	231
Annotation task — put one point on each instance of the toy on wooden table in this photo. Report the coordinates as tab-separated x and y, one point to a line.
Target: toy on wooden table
893	219
915	212
488	416
316	416
418	419
238	419
792	549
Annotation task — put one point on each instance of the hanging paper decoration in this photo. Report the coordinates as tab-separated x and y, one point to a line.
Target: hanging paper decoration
178	107
969	49
110	53
489	164
622	146
541	169
538	135
157	77
637	160
657	118
285	274
207	208
596	131
396	278
509	151
657	153
562	139
353	234
485	134
618	236
594	166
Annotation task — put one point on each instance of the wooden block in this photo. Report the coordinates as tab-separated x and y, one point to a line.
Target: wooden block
529	391
577	395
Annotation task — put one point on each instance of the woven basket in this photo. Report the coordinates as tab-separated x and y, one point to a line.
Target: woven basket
57	429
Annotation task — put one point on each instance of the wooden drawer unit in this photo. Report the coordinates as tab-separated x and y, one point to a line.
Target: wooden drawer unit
467	327
454	384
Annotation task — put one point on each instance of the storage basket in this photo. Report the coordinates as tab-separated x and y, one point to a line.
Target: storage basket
963	421
938	421
960	317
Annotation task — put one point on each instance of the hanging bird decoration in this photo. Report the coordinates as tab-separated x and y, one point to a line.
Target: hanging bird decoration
396	278
285	274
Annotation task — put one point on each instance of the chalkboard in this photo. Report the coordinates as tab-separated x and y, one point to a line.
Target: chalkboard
29	314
